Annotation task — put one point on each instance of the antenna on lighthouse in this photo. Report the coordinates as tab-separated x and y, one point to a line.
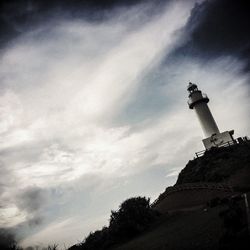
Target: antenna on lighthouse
198	101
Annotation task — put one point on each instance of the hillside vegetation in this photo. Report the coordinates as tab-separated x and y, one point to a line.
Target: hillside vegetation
218	224
217	164
133	217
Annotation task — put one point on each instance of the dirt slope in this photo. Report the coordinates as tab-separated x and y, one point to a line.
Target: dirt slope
183	230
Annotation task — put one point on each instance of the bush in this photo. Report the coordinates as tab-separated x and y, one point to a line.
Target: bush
133	216
235	234
97	240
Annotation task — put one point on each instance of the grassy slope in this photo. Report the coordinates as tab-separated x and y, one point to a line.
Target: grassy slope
197	229
217	165
184	230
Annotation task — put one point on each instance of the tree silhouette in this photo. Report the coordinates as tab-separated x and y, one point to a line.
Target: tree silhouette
133	217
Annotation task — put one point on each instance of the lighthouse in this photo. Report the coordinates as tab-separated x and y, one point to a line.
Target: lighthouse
198	101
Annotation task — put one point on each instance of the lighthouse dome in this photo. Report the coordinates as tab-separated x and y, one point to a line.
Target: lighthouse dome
192	87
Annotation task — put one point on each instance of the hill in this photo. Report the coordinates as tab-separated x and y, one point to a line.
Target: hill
218	165
221	172
205	209
179	231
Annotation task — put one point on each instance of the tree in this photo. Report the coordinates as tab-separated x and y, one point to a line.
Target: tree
133	216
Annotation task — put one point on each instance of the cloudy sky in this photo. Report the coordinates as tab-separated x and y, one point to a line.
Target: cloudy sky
93	104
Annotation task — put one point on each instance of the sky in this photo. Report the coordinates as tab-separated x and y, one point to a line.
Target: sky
93	104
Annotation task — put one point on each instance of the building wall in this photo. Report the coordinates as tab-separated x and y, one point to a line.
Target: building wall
217	140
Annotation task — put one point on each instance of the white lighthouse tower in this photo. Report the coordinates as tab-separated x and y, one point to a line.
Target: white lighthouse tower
198	101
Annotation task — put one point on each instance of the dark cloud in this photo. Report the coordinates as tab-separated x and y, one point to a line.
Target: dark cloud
17	17
25	11
31	199
216	28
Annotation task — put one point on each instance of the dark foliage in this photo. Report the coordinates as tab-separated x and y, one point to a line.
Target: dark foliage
234	219
7	240
133	217
99	239
216	165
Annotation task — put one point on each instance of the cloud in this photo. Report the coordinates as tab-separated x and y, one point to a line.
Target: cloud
218	28
17	18
63	85
31	199
48	103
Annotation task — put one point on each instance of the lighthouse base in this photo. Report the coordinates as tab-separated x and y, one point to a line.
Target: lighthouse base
218	139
